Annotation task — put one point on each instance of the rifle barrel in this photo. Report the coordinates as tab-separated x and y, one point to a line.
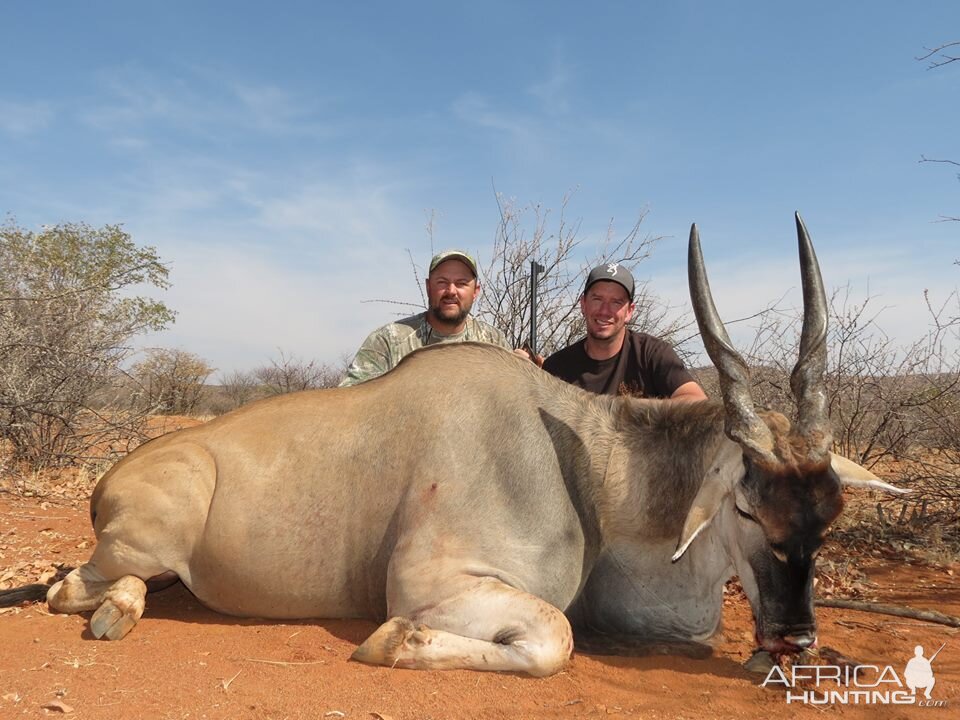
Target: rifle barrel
535	269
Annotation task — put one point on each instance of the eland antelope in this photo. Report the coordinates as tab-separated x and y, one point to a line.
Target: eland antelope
481	509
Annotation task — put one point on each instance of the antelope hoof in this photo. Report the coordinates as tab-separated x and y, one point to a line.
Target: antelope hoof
761	662
112	622
383	646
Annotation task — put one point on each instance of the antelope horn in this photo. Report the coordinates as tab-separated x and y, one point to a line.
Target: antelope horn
806	380
742	424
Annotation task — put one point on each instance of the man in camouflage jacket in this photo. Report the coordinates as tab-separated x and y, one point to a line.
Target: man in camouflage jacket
452	287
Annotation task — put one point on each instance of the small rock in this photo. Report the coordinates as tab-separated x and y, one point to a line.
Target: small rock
58	706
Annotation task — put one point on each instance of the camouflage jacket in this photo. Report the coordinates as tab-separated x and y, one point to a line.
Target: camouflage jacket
386	346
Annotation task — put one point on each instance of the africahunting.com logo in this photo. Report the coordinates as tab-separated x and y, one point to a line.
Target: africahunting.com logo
860	684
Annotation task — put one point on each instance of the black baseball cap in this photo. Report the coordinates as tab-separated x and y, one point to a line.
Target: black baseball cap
614	273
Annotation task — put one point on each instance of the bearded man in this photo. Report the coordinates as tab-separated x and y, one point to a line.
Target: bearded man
452	287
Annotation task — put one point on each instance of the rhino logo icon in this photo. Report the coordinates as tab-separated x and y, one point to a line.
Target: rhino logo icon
918	673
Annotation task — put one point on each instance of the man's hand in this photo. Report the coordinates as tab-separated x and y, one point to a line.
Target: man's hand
527	354
689	392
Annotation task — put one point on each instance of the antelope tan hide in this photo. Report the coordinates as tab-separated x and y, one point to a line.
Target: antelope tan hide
478	507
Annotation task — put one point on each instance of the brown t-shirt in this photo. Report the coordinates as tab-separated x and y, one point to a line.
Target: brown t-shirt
645	367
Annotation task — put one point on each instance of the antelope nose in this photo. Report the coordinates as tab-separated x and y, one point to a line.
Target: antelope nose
801	641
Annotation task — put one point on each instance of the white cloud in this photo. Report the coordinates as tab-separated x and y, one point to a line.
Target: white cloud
554	90
271	109
133	96
24	118
352	214
474	108
552	95
238	305
200	102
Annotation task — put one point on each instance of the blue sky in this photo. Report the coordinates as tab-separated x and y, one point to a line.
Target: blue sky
283	158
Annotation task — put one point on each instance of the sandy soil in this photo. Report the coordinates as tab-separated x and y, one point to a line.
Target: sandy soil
183	661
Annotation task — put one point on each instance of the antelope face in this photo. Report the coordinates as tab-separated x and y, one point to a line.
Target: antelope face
783	515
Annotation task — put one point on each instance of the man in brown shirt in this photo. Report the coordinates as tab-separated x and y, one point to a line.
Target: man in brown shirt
614	360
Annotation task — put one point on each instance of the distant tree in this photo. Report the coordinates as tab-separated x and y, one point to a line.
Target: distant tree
67	317
290	374
170	382
238	387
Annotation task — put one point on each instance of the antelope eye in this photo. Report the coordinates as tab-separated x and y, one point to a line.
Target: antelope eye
744	514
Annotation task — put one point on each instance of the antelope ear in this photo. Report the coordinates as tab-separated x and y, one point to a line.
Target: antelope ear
719	482
853	475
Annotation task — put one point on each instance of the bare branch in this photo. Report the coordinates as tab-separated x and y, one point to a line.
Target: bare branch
933	616
533	233
925	159
944	58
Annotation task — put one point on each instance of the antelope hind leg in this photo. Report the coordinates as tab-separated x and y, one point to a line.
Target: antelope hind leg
118	604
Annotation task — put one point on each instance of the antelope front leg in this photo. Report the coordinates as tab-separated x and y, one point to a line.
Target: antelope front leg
489	626
118	604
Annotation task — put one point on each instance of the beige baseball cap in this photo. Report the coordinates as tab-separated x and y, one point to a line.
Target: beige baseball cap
454	255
